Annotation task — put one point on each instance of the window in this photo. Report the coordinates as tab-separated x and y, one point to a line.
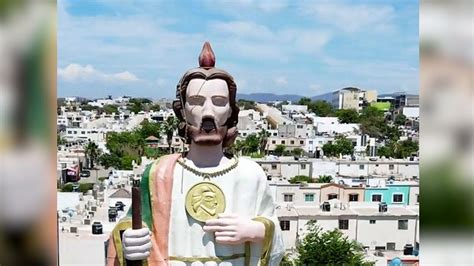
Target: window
285	225
361	167
344	224
288	197
301	142
376	165
83	132
273	141
376	197
308	197
332	196
397	198
353	197
417	198
299	126
292	142
372	222
303	166
402	224
244	134
274	134
390	245
310	142
69	132
282	142
391	167
274	166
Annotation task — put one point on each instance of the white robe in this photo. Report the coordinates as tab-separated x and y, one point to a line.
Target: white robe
246	193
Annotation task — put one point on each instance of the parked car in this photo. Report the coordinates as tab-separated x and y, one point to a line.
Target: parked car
112	214
85	173
97	228
119	205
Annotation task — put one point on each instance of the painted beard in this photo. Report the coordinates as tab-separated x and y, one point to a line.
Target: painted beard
209	134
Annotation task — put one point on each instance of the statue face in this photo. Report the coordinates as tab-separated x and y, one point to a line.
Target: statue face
206	110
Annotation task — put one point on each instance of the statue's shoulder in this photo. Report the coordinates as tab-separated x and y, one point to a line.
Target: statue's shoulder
251	169
165	159
246	162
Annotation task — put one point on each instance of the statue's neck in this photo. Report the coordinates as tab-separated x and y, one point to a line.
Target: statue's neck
206	156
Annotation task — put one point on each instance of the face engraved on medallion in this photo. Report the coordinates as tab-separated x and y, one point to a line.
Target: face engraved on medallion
205	201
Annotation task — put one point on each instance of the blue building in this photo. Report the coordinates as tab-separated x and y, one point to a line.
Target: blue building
391	194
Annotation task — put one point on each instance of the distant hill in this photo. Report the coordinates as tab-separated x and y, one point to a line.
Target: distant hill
268	97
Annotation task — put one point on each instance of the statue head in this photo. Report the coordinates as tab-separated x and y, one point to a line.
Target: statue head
206	103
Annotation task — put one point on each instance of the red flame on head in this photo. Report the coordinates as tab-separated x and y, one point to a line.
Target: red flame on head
206	58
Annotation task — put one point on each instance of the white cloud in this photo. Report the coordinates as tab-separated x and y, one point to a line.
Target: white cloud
272	6
281	81
352	17
238	7
242	29
314	87
76	72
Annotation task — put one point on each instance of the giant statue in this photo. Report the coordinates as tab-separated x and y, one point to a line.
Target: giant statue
202	207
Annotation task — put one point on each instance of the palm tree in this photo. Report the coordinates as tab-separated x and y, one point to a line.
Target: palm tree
324	179
169	126
92	152
263	136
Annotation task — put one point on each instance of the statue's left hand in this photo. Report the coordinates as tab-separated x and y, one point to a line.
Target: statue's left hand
232	229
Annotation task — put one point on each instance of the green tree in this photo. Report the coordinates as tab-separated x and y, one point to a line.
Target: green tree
321	108
155	107
109	109
399	150
246	104
148	128
251	144
372	122
386	151
60	140
300	178
341	145
346	116
169	126
328	248
324	179
263	136
329	150
297	151
304	101
390	132
280	149
400	120
92	152
87	107
405	148
124	147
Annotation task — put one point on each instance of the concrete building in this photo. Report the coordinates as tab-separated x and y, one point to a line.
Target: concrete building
403	169
353	98
286	168
291	143
362	222
294	108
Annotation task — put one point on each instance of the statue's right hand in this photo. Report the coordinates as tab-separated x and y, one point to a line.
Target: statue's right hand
136	243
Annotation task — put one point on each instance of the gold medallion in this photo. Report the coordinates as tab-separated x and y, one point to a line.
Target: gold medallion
204	201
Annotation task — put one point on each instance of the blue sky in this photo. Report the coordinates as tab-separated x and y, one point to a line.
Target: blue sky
142	48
